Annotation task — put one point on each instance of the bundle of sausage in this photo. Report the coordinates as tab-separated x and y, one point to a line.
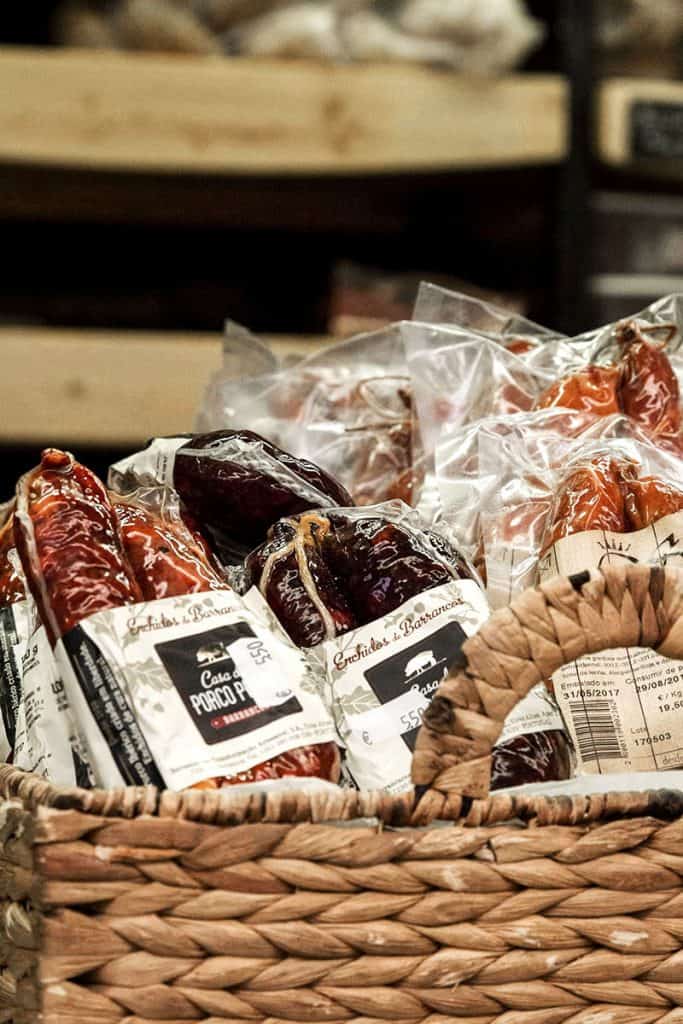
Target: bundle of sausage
385	606
165	674
379	604
350	407
587	503
171	679
474	362
37	729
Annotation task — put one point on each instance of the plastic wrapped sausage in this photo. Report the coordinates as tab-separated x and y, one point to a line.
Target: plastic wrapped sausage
648	387
591	389
39	733
385	606
168	560
234	483
166	557
12	592
349	408
591	497
641	383
326	573
139	616
600	501
649	499
67	536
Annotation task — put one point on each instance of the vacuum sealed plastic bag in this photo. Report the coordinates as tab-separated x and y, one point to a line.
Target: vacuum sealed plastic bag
519	459
438	305
349	408
234	484
190	688
37	729
385	607
639	381
460	377
168	556
495	462
533	746
495	479
12	594
631	366
599	502
47	739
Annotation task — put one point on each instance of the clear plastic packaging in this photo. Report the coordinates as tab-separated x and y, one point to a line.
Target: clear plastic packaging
349	408
523	461
37	728
464	372
234	484
460	376
248	367
438	305
563	505
172	678
384	606
469	474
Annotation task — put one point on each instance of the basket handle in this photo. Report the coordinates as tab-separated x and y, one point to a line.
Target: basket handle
546	627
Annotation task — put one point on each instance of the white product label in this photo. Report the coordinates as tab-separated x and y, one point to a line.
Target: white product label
46	740
12	642
623	708
152	467
536	713
185	689
382	677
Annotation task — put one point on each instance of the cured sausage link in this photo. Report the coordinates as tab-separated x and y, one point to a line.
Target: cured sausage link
165	556
67	538
591	389
648	387
590	498
11	584
168	562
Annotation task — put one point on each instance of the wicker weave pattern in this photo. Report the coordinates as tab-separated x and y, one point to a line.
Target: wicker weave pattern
19	918
522	645
178	920
135	906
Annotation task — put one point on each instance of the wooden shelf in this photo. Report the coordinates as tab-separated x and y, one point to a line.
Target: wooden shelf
640	124
205	115
108	387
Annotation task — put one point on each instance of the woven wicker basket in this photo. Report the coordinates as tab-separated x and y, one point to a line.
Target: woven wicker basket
135	905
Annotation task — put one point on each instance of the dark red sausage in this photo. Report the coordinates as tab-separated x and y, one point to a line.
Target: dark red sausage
167	559
592	389
67	537
11	585
648	386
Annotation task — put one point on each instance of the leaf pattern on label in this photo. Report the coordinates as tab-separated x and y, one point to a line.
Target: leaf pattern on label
311	681
147	674
127	640
102	627
469	618
394	620
358	700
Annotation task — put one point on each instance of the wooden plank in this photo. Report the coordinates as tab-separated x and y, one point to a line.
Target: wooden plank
640	120
107	387
215	115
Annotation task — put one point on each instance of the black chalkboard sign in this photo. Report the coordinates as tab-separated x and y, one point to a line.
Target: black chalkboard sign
657	130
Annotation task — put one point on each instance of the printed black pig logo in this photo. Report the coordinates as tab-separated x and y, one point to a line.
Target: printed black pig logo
421	667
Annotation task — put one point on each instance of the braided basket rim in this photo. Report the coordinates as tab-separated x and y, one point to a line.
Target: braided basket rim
633	606
227	807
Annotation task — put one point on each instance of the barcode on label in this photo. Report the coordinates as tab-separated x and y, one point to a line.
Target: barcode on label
596	731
